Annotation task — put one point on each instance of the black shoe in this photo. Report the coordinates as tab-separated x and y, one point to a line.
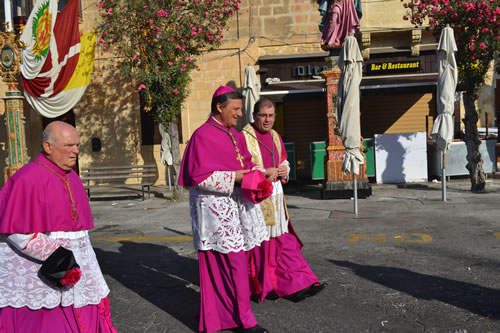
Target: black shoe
315	289
272	296
255	299
255	329
309	291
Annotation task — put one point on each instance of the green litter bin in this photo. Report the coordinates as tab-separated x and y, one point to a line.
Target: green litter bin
318	153
290	150
369	152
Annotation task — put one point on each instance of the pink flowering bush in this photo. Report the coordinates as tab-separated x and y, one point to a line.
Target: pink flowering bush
476	25
156	42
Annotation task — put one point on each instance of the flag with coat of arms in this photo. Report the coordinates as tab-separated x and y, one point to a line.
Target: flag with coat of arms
57	62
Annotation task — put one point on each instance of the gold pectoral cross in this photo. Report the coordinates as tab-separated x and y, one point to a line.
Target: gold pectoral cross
235	144
240	158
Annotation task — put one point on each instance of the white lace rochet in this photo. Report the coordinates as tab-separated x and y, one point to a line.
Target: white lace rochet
221	219
20	285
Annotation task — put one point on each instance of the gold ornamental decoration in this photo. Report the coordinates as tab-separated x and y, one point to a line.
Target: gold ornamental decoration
10	65
10	59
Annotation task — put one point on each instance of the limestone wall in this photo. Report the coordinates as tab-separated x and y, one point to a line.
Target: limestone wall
383	15
264	27
110	108
486	103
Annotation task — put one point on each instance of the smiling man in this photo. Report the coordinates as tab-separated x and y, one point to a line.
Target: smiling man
225	225
278	265
44	218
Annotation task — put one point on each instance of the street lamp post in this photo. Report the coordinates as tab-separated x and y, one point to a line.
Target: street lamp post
10	61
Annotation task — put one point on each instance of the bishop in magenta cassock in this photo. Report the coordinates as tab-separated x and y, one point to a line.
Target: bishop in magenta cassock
43	207
225	226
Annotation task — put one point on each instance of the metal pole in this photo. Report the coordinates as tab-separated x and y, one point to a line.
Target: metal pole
443	175
355	190
486	120
168	175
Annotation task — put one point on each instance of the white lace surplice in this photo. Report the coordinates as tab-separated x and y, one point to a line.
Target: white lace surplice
20	285
221	219
281	222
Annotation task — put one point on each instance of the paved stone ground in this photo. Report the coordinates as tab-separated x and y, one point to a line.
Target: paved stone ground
408	262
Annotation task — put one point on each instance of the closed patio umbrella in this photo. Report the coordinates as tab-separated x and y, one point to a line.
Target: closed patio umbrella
251	93
350	63
166	152
442	130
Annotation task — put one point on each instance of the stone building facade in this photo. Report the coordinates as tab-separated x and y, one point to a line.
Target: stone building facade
280	39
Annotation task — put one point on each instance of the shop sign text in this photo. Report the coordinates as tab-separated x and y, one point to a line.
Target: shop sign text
393	66
308	70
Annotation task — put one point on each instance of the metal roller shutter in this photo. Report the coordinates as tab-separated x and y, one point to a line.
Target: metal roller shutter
305	122
397	114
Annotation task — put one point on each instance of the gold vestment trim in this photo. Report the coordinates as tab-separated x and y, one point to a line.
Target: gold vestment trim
268	206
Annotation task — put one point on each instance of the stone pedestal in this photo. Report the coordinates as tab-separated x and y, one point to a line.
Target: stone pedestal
336	184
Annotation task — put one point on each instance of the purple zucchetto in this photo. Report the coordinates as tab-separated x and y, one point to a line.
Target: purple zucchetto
222	90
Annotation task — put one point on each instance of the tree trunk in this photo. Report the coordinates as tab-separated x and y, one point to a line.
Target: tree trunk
176	153
471	138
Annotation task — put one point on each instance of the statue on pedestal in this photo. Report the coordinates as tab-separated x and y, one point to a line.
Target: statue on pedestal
339	19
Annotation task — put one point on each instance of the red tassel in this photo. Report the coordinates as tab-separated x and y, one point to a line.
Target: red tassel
266	190
71	277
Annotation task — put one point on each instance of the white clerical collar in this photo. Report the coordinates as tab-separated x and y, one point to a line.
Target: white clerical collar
218	122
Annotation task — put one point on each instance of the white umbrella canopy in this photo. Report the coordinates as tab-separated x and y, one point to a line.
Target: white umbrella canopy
442	130
251	93
351	64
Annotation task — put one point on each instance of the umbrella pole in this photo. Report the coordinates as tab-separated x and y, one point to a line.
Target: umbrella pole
443	175
355	190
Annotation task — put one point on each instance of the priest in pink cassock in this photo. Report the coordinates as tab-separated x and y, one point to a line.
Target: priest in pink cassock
44	221
225	225
277	266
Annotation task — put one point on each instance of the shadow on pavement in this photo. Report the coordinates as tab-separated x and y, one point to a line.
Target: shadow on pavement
157	274
423	187
299	188
471	297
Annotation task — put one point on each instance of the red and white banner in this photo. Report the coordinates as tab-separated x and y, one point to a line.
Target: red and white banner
43	91
37	35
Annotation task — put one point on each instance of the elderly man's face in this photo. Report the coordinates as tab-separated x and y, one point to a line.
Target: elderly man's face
63	151
264	119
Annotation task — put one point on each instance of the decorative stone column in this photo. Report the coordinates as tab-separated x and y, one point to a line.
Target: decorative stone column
14	121
336	184
10	61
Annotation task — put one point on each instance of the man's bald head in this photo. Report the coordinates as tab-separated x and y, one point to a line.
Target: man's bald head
55	127
60	143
